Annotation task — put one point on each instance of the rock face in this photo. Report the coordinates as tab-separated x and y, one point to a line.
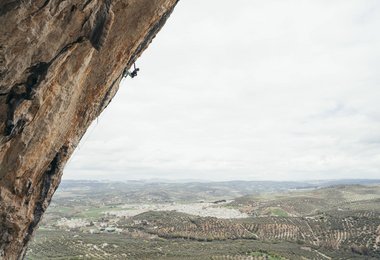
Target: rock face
60	65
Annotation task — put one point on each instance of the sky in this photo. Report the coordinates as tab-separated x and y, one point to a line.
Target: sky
247	90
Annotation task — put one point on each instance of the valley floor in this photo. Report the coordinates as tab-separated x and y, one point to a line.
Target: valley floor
103	222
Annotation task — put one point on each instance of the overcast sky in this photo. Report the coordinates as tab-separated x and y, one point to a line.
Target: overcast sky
248	89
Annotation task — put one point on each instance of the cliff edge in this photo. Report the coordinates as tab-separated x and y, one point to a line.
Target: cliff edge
60	65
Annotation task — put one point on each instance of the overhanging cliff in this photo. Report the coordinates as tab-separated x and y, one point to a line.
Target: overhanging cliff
60	65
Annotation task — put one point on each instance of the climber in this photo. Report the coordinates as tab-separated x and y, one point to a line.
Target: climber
132	74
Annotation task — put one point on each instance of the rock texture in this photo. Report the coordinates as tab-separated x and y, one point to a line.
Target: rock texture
61	62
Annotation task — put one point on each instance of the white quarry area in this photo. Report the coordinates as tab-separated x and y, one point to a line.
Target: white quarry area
72	223
198	209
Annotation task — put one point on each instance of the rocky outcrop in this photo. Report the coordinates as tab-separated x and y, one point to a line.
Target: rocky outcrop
61	62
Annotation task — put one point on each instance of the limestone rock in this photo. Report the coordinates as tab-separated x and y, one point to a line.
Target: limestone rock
60	65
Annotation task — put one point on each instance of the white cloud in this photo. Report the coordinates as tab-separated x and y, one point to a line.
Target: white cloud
247	90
